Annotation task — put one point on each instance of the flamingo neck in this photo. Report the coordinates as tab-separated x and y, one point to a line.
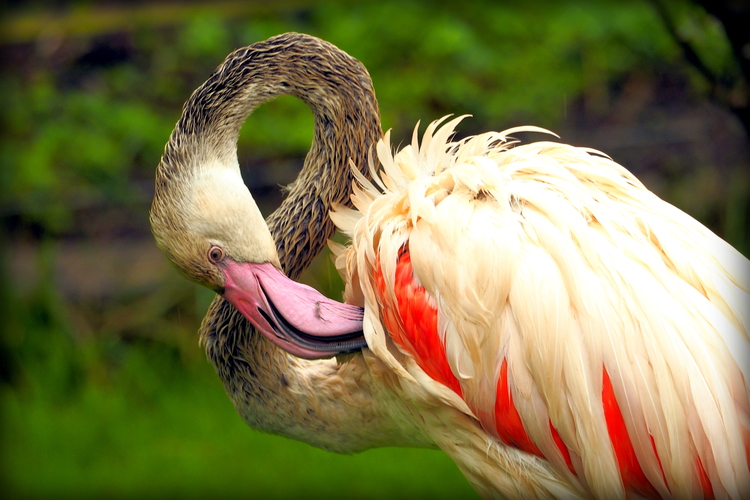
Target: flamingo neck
339	92
320	402
336	407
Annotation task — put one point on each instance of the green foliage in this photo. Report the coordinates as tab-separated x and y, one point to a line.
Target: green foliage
127	406
500	62
157	429
70	148
503	63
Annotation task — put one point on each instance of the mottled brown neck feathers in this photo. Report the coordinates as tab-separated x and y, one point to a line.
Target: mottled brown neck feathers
339	92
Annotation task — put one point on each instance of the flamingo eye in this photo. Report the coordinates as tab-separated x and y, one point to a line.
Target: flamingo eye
215	254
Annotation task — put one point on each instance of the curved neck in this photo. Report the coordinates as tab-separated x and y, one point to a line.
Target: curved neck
301	225
272	390
339	92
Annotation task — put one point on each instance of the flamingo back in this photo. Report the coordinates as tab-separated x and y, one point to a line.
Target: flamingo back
583	324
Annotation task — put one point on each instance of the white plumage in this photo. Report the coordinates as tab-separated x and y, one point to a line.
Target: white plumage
557	262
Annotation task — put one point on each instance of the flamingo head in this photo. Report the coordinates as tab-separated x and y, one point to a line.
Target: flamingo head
210	227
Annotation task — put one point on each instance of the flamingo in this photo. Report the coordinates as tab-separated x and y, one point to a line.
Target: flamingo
532	310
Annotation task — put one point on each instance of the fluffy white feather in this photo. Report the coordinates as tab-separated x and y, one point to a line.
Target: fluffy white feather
560	261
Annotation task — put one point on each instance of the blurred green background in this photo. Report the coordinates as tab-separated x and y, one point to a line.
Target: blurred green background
104	390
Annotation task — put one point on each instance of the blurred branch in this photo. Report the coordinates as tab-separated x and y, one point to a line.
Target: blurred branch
687	49
734	16
29	25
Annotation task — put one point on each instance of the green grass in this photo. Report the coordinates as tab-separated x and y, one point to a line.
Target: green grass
154	428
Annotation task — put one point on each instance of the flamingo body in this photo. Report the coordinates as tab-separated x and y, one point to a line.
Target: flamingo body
576	317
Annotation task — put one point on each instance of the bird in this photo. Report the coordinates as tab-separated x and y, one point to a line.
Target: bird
532	310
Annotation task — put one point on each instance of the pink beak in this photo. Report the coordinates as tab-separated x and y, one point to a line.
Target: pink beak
293	316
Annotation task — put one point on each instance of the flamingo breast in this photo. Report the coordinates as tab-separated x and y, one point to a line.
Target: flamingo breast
412	323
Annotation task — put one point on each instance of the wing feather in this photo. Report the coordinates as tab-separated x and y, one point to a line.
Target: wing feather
558	262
